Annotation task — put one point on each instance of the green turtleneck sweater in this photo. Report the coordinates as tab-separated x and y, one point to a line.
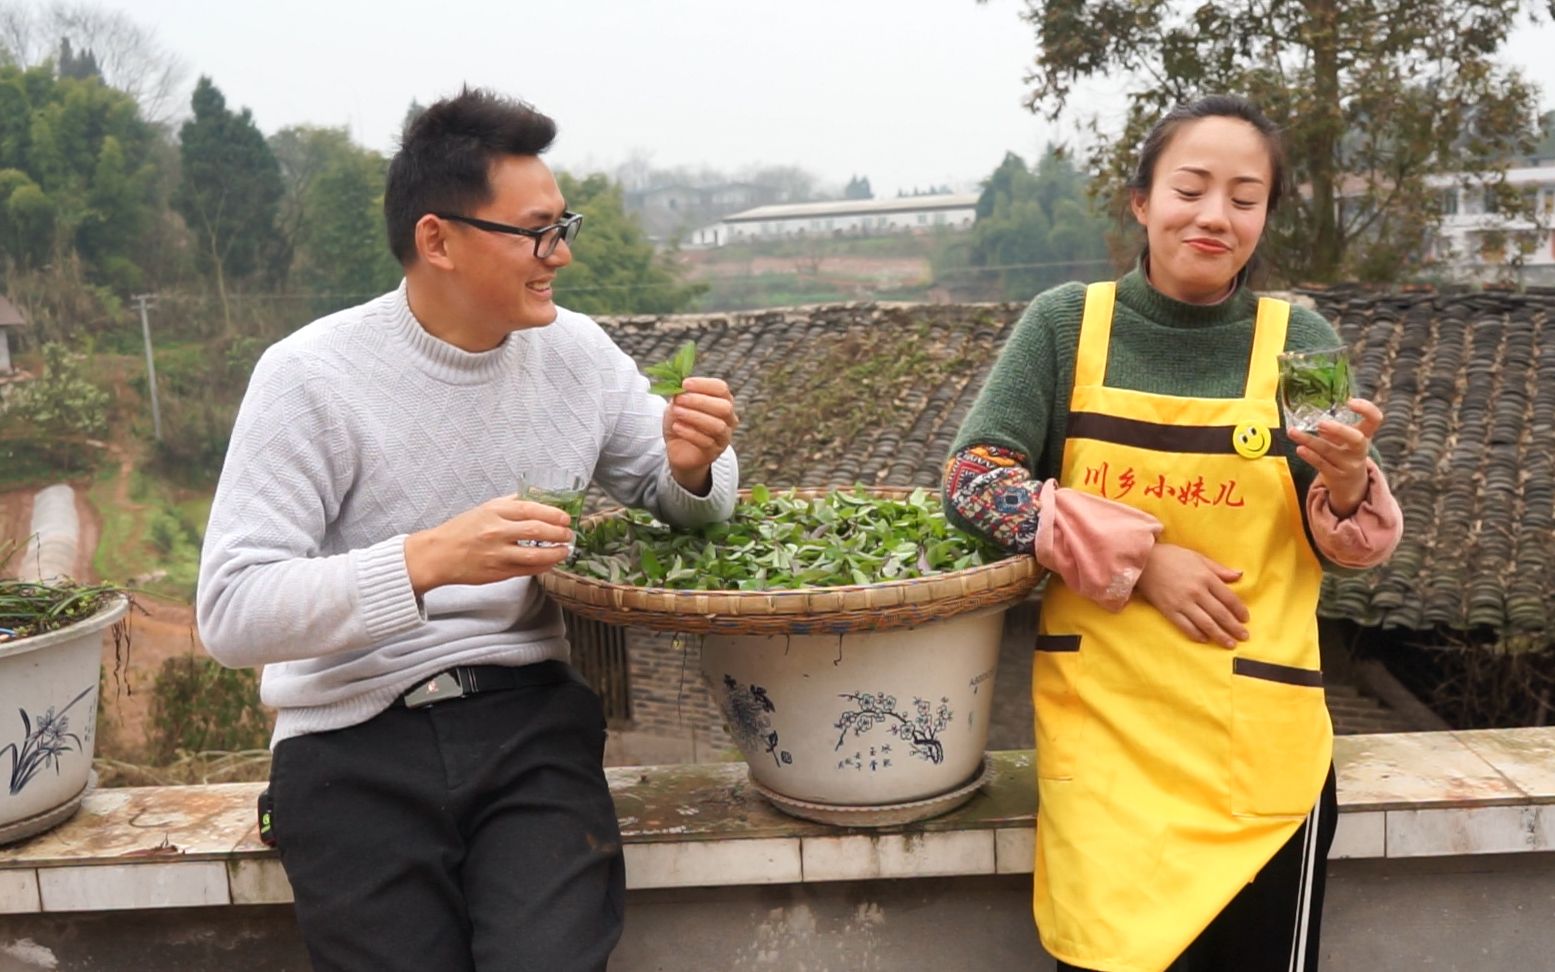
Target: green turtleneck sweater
1158	345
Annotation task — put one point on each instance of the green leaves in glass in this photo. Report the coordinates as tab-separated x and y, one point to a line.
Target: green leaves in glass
668	376
782	541
1318	384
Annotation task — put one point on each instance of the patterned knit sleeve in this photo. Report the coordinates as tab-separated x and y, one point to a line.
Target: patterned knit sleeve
990	489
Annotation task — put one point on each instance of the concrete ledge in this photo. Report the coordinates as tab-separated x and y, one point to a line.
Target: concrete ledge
1416	795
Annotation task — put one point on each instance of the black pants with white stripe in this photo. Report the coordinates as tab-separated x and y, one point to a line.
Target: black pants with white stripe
1274	924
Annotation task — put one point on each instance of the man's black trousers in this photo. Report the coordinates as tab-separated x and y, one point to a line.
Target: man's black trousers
473	835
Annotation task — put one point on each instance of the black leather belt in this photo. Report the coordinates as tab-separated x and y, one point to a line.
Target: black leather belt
456	683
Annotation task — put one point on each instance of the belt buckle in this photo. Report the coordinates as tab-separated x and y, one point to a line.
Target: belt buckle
442	687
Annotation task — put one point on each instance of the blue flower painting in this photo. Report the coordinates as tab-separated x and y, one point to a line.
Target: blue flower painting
44	739
918	727
749	710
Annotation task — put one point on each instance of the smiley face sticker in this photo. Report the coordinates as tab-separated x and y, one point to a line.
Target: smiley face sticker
1251	441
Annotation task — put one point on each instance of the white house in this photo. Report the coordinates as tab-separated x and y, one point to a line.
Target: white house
10	318
1477	244
842	217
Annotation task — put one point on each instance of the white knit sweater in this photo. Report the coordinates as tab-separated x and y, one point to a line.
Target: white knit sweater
362	428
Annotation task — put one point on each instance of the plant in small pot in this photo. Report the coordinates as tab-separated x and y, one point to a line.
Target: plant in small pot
850	637
50	667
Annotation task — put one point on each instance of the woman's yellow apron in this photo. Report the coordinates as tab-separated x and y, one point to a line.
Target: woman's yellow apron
1170	771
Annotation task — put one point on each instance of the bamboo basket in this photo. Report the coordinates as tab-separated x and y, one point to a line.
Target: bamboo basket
882	606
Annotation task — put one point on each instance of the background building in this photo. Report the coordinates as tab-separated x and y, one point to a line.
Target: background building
842	217
1476	243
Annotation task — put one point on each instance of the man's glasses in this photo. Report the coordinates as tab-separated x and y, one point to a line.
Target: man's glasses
546	239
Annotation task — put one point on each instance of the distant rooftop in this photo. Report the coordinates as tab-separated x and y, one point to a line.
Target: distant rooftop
854	207
9	315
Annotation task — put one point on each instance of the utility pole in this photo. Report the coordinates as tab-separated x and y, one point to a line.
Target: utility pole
142	301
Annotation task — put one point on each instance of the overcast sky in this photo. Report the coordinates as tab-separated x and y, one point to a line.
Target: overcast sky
910	93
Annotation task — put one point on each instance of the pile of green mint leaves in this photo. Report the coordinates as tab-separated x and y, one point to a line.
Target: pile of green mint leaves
783	541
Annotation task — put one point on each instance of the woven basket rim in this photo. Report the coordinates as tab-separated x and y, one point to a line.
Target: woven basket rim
887	603
803	492
1012	561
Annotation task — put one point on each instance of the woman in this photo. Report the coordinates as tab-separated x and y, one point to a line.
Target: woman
1129	433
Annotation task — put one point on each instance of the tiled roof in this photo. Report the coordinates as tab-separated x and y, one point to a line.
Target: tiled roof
856	207
1467	382
838	393
874	393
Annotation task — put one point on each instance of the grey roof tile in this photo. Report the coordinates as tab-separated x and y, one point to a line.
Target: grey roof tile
1467	382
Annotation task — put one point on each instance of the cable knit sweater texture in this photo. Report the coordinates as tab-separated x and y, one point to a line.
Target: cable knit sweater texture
361	429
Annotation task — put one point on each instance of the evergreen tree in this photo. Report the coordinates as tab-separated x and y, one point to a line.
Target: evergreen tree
1035	229
230	193
1374	97
77	174
615	269
79	66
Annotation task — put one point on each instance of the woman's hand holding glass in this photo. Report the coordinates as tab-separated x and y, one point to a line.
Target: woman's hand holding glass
1339	452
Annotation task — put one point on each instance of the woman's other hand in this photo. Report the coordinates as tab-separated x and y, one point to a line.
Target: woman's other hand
1193	592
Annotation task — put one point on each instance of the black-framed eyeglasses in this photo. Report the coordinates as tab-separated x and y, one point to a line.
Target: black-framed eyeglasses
546	238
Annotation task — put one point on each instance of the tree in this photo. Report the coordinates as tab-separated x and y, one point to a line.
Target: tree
81	174
55	414
78	66
331	216
231	190
1036	228
1374	98
858	188
615	269
125	55
788	183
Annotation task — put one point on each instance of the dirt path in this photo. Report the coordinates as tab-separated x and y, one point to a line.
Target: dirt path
158	629
15	524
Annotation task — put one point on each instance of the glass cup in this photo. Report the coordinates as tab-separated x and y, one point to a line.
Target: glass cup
553	487
1316	385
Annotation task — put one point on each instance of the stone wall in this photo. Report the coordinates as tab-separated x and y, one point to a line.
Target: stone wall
670	700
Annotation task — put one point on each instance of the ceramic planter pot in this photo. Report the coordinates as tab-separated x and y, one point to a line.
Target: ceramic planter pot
833	725
861	704
48	722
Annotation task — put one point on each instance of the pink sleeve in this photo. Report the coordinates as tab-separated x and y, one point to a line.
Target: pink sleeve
1096	545
1366	537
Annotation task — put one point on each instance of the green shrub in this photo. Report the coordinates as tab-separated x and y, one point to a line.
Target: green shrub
198	706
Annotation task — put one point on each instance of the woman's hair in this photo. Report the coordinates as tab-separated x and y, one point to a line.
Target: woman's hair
1212	106
445	158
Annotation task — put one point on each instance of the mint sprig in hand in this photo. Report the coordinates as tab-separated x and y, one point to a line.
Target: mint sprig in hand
669	376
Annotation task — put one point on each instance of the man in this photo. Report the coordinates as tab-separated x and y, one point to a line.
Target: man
437	792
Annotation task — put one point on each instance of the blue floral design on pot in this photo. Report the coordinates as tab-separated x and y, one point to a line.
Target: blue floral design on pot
44	739
749	711
919	727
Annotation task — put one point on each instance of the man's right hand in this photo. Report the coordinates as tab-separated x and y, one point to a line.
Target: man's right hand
482	545
1191	591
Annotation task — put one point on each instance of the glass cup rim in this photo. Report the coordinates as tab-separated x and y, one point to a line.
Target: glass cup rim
559	482
1337	351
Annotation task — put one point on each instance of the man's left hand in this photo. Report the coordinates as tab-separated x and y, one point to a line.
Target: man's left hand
698	425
